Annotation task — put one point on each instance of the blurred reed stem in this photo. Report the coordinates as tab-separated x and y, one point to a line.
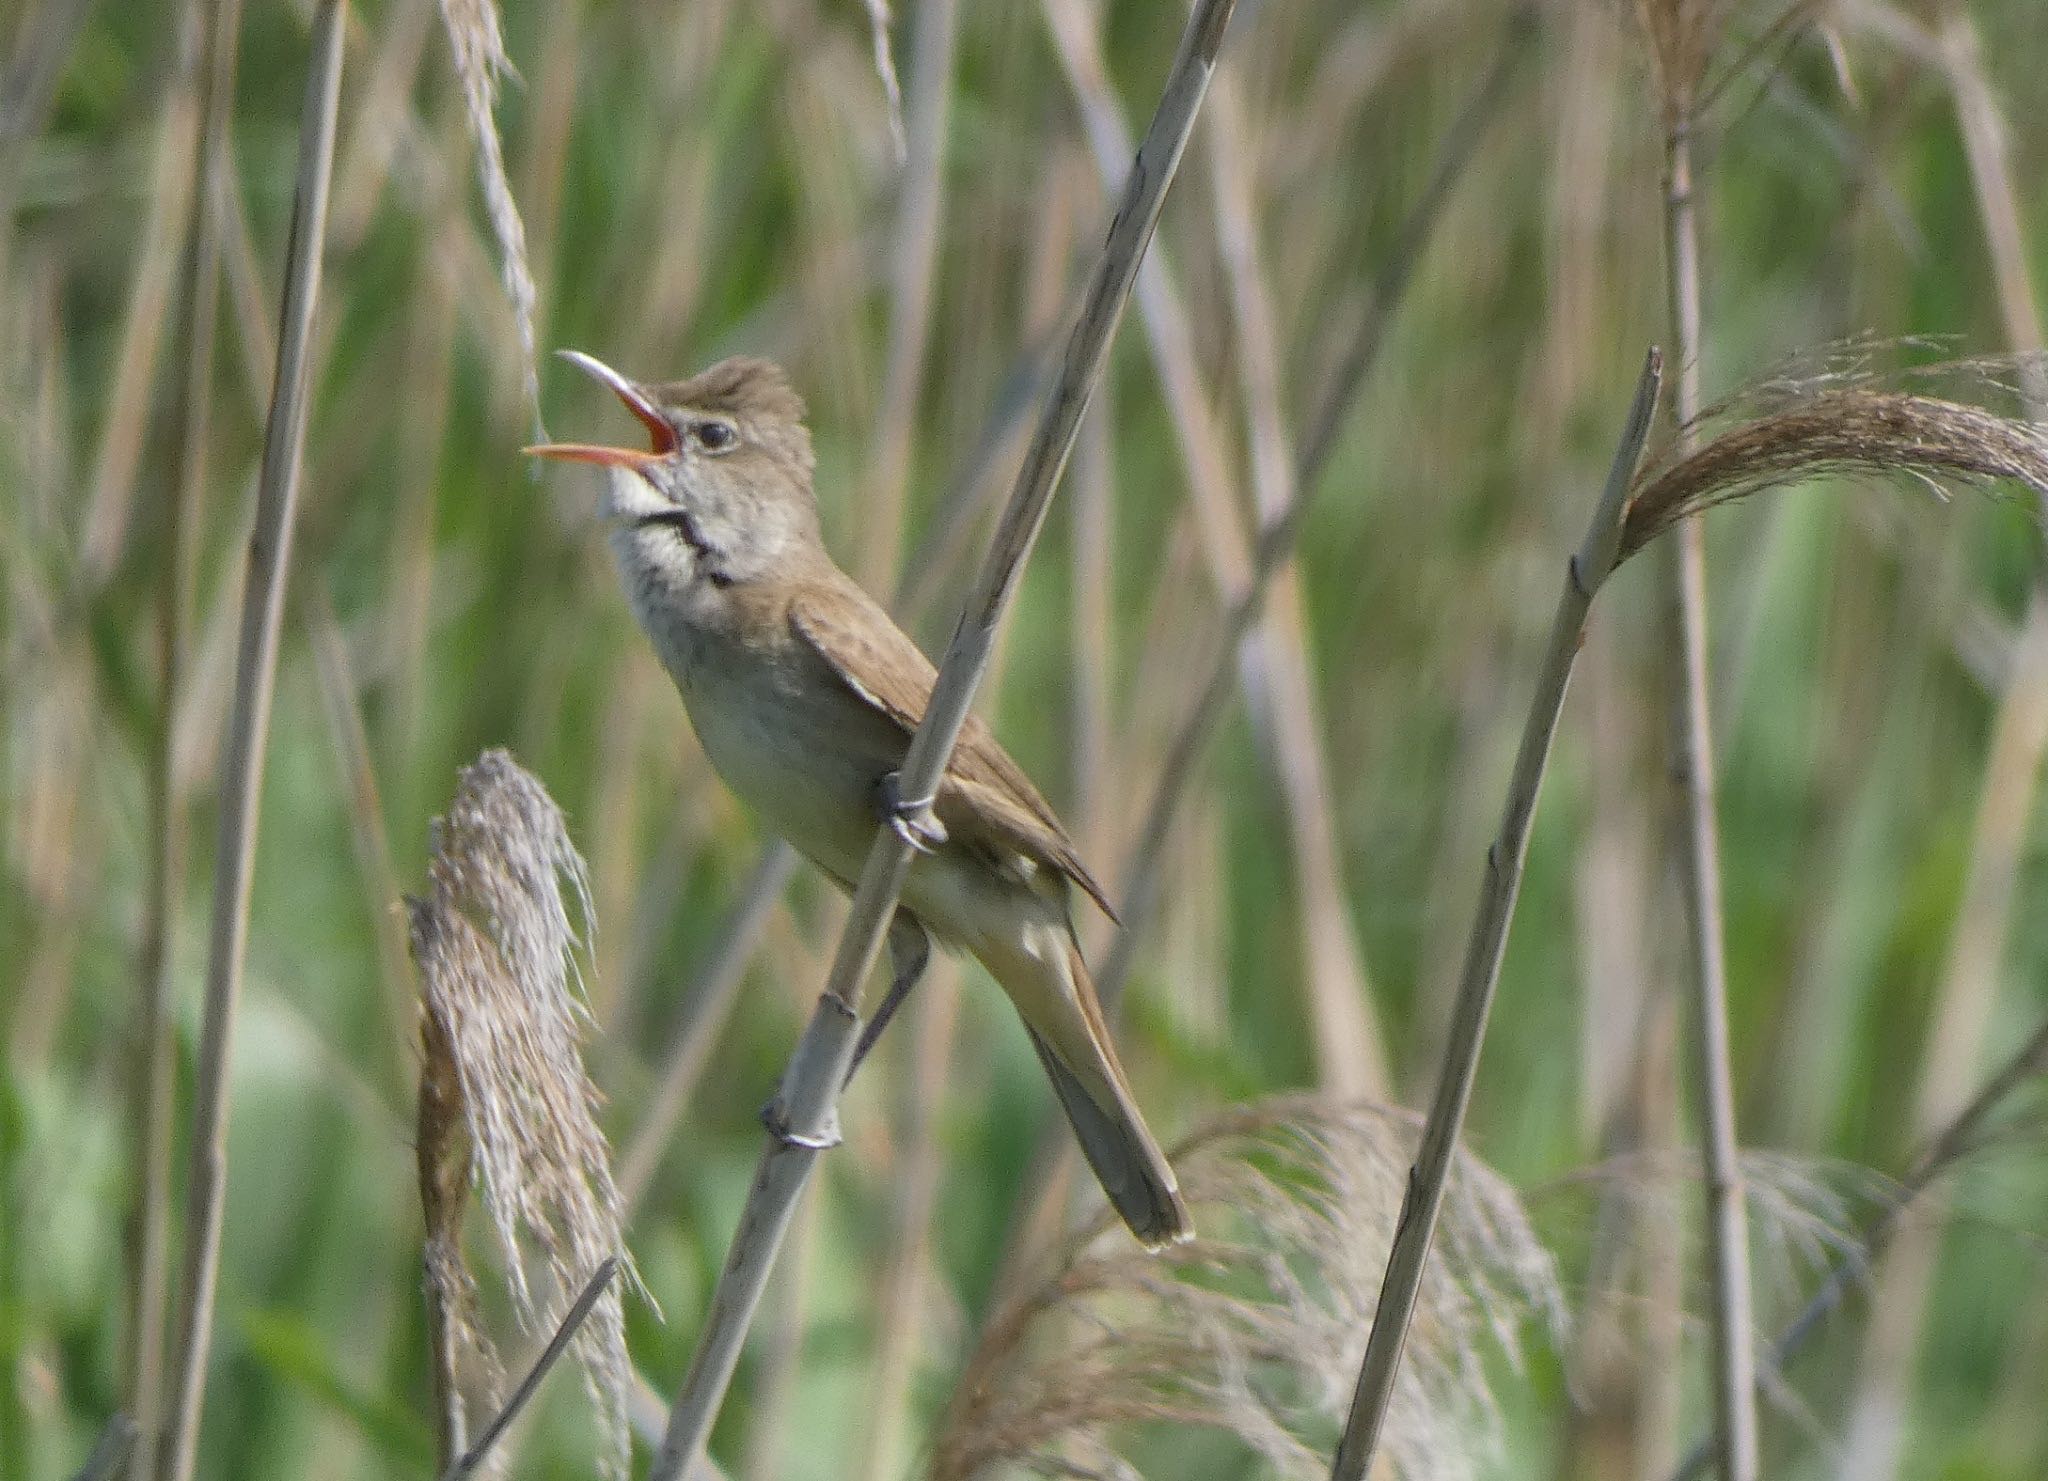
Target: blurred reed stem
1965	1134
1141	876
1960	1017
1584	574
1349	1048
242	766
912	289
155	1081
804	1117
1699	844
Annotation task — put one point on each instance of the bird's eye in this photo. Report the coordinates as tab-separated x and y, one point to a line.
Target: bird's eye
715	436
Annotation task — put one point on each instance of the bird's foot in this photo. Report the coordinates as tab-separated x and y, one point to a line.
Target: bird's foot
913	821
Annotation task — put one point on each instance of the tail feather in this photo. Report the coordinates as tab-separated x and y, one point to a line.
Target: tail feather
1127	1162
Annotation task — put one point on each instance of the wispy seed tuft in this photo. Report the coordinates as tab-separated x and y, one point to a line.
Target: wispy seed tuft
505	1104
1255	1329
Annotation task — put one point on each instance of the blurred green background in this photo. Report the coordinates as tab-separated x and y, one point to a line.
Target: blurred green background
709	178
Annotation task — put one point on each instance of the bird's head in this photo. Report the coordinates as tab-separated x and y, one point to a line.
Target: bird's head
723	489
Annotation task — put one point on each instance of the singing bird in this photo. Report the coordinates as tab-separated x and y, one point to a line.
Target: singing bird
805	695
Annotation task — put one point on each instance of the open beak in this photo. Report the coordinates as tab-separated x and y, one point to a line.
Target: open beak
661	436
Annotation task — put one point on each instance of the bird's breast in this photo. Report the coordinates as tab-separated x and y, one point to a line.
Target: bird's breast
797	748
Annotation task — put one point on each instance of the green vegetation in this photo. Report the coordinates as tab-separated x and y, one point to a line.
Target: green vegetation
713	178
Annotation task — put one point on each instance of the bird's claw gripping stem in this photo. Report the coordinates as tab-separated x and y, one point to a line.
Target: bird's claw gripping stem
912	821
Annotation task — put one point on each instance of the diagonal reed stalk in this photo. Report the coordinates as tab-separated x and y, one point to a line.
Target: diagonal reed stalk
1585	572
249	725
805	1112
1700	848
473	1459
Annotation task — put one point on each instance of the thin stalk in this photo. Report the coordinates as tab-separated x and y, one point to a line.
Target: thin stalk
242	769
1143	868
156	1080
1584	574
1351	1057
804	1115
565	1333
1966	994
112	1453
124	418
1963	1134
903	1309
914	260
1700	860
1349	1049
1144	865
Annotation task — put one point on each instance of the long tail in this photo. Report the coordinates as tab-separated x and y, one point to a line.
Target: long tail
1074	1045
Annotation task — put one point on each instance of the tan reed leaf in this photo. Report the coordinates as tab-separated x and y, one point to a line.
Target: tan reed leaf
1254	1329
478	42
505	1104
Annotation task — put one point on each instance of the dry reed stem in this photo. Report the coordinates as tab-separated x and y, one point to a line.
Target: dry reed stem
242	766
357	774
1966	993
1250	1332
173	185
1597	556
903	1299
1350	1052
1682	38
504	1101
1143	868
912	287
806	1105
155	1080
478	43
1141	875
1966	1133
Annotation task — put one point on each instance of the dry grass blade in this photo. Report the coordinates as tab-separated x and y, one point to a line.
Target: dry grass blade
248	732
1252	1331
478	42
1832	432
504	1100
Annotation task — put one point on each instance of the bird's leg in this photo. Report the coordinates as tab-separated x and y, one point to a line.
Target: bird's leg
912	819
910	951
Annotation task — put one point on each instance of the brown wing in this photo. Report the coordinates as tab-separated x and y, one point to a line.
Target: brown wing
874	659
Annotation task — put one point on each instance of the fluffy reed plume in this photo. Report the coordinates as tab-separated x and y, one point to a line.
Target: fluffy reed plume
1254	1329
504	1102
1825	428
478	42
